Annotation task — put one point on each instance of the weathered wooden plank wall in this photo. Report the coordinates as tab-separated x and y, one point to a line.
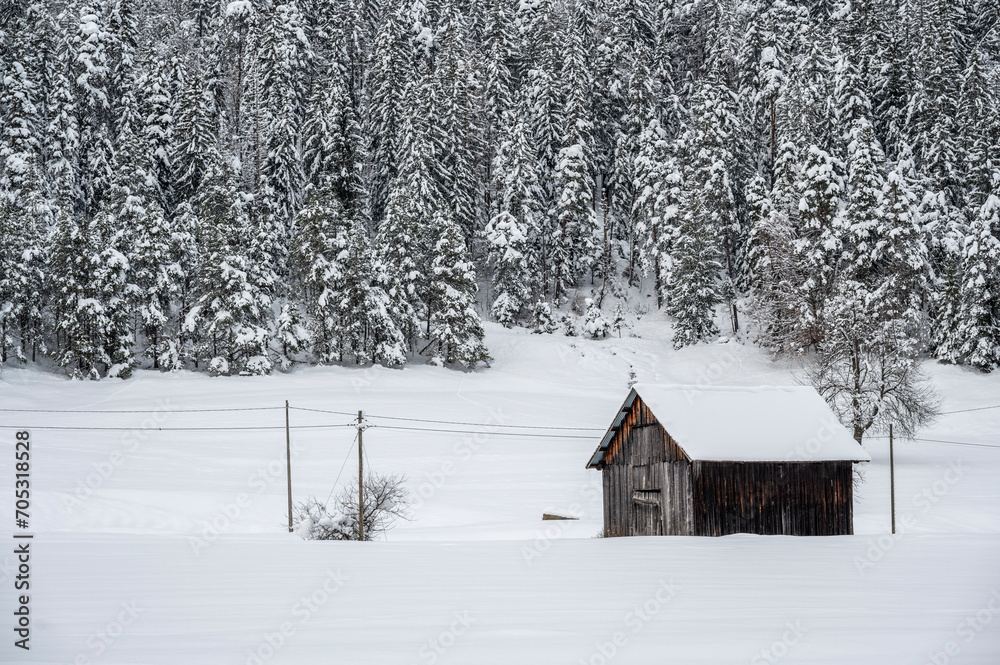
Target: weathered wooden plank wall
791	498
647	480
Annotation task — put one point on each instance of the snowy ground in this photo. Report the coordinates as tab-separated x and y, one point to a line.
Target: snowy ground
126	568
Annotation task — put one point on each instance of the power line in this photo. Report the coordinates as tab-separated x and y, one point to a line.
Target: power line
166	429
455	422
336	413
955	443
469	431
255	408
960	443
367	461
458	422
347	457
980	408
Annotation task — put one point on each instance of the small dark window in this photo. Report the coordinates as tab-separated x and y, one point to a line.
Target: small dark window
646	496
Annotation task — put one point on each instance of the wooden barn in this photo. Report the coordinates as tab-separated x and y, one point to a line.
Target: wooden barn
710	461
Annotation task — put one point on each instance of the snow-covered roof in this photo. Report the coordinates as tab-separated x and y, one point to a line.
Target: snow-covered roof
744	424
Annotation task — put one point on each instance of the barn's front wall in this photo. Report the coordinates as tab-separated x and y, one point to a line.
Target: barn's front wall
651	487
790	498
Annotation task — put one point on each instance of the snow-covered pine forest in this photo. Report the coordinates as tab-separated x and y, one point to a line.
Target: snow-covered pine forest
237	186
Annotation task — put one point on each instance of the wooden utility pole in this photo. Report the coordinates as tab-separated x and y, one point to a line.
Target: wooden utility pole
892	481
361	481
288	460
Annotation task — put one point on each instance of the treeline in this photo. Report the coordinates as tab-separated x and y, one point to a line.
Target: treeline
238	186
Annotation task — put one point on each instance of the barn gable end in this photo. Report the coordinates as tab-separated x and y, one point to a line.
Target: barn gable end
646	477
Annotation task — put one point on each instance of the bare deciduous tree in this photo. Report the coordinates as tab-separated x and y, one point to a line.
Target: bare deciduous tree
869	372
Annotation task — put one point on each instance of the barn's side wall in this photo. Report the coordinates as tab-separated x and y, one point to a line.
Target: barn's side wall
793	498
647	481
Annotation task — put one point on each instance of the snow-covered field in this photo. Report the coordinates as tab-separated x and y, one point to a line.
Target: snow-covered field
170	547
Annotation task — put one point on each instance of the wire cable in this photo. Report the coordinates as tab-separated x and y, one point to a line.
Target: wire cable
955	443
469	431
336	413
255	408
167	429
959	443
458	422
367	461
980	408
342	466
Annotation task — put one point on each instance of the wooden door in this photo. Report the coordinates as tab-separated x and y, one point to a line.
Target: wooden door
646	517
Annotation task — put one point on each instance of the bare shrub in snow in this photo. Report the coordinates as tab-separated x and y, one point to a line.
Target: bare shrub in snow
386	501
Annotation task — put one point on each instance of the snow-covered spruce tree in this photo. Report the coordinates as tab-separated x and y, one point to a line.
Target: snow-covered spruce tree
899	259
516	185
658	182
386	78
819	239
90	71
132	200
194	137
24	212
350	313
406	234
499	49
75	308
932	106
456	335
19	144
722	135
61	139
705	220
185	261
456	125
542	112
114	290
316	264
290	334
573	250
232	317
88	280
764	63
368	331
573	244
332	143
23	222
623	216
851	100
693	277
285	56
979	129
945	229
542	319
771	266
865	214
594	323
124	33
978	331
29	43
158	127
508	246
